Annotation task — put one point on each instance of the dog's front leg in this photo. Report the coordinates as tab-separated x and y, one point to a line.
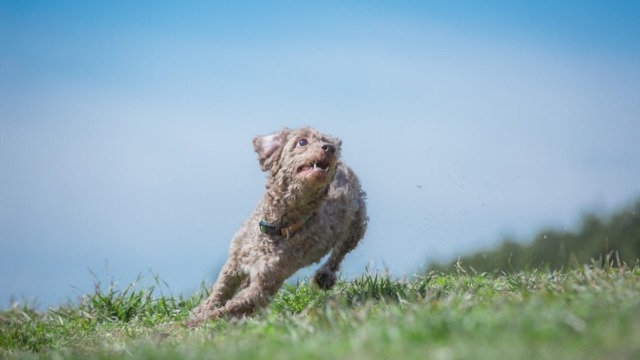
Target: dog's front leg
261	289
226	285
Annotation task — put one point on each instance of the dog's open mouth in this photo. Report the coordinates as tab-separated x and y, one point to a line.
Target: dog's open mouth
315	167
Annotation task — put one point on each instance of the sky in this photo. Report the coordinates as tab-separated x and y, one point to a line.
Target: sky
126	127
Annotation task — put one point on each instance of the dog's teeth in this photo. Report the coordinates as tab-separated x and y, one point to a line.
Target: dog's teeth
315	166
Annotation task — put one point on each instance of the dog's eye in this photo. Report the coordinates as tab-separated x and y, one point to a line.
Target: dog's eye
303	142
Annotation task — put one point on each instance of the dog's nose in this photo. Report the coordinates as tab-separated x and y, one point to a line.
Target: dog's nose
329	148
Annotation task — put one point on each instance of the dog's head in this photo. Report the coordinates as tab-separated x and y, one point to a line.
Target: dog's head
304	157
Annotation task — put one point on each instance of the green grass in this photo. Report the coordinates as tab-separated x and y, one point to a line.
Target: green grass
588	313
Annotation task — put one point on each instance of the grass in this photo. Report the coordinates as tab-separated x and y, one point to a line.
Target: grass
587	313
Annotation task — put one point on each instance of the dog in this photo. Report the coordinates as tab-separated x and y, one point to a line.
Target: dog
313	205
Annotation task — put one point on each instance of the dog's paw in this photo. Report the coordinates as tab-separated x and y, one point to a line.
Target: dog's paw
200	316
325	279
195	320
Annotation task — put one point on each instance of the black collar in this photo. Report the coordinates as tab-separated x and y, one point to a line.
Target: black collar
285	231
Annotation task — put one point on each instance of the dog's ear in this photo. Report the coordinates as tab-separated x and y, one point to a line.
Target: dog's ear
338	143
269	147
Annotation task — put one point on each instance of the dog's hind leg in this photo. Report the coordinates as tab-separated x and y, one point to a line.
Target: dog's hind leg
325	277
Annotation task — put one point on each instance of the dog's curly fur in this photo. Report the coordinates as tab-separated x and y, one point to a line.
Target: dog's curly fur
307	185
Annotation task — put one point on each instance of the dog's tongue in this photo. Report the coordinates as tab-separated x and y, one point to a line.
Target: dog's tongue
314	167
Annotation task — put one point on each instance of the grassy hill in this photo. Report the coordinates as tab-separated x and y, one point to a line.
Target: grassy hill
616	237
587	313
542	300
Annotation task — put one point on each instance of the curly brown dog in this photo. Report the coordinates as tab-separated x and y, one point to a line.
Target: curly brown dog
313	205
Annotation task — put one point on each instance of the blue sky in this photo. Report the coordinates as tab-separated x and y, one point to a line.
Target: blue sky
125	128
